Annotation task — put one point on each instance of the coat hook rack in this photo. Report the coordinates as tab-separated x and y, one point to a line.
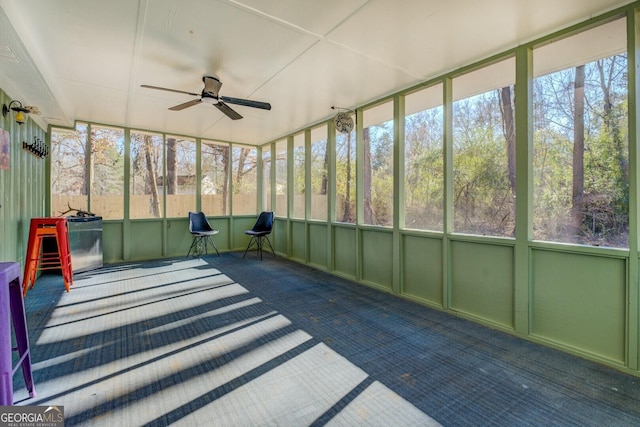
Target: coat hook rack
38	148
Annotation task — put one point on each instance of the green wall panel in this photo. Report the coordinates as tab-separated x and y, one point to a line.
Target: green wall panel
344	250
298	240
178	237
579	301
22	187
281	236
377	257
482	281
145	239
422	268
318	244
223	237
112	242
235	234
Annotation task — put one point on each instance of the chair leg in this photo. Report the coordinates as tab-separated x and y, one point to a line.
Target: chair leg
194	246
202	245
210	239
269	243
248	246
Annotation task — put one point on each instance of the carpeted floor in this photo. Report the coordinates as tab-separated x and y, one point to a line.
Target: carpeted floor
232	342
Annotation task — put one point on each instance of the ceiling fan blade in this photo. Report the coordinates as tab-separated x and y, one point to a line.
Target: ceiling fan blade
169	90
185	105
246	102
230	112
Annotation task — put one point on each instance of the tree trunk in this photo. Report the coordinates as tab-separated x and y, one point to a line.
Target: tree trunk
241	160
172	166
509	129
88	164
611	122
347	196
151	183
578	152
325	178
366	179
225	183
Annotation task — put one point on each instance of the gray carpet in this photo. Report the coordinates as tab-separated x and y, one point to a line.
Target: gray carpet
232	342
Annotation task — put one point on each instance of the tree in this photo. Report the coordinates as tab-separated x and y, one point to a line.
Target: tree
347	215
151	182
577	194
172	166
366	178
225	182
325	177
509	129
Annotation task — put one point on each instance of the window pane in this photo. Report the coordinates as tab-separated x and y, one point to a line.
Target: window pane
318	169
281	178
266	178
181	176
484	151
298	176
581	176
245	180
423	159
147	160
378	165
346	176
69	184
214	186
107	172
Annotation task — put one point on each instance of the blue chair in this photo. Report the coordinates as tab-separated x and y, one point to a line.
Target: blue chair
260	233
202	233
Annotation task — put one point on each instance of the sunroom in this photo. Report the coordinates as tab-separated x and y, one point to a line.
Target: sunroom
477	160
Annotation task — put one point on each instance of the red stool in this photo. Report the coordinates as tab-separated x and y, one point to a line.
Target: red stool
36	261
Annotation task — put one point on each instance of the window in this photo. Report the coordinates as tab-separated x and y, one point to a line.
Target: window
423	160
281	178
69	169
318	169
181	176
147	161
214	184
245	180
484	151
378	165
266	178
346	176
581	153
298	176
107	172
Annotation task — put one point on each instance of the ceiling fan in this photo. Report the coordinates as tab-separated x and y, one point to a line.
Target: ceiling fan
211	96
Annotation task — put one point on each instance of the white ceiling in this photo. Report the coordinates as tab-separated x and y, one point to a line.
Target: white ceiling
86	59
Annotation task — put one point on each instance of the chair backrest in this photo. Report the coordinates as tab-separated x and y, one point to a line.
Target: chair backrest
198	222
264	222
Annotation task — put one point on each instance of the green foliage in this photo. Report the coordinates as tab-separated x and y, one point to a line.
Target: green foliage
605	201
107	152
424	173
483	201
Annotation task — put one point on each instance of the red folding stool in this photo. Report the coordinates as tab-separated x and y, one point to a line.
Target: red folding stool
41	228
